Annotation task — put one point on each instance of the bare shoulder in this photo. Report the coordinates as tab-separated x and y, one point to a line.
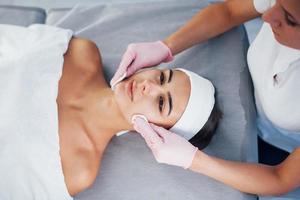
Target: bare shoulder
83	172
84	54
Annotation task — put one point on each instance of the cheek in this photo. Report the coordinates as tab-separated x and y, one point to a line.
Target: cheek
147	108
287	38
128	109
293	39
151	112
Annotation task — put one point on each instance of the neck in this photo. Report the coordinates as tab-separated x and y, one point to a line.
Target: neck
109	112
106	117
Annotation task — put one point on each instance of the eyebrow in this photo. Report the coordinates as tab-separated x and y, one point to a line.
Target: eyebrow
169	94
170	75
170	103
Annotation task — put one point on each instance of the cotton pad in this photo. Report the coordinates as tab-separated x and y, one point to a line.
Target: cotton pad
119	80
132	121
141	116
121	133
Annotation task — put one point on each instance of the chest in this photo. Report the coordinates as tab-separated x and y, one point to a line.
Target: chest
78	153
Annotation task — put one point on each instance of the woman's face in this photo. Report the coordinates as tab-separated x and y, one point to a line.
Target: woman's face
284	18
160	95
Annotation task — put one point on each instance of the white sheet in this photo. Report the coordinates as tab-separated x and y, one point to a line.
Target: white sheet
31	61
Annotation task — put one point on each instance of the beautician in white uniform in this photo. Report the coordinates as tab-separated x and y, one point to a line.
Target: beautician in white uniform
274	64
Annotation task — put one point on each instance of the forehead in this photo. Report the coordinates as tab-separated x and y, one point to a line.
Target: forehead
180	90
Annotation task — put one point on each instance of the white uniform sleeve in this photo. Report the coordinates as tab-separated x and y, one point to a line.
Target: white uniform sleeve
263	5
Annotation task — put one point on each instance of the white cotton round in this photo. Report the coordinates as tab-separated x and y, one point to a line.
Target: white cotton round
138	115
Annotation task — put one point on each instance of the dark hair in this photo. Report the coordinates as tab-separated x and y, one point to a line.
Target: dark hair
204	136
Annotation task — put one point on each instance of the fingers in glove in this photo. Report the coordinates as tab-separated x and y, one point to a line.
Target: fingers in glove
162	132
127	59
150	136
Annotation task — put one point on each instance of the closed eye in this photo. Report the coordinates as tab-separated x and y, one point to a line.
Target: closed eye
161	100
160	103
162	78
288	20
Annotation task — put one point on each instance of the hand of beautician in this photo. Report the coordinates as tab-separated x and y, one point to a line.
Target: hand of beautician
167	147
140	55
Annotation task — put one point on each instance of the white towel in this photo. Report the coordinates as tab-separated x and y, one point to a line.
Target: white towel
31	61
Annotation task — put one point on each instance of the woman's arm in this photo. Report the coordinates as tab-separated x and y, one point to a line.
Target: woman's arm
207	23
172	149
252	178
211	21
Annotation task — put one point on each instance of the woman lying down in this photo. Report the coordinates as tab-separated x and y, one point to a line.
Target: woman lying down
58	114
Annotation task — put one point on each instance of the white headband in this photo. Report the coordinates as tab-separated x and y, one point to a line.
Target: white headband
199	106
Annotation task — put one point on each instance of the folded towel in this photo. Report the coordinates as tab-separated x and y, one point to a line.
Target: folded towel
31	61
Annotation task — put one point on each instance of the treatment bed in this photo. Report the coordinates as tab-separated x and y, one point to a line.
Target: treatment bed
129	170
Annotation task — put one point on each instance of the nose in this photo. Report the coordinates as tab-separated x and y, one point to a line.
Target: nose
149	87
273	16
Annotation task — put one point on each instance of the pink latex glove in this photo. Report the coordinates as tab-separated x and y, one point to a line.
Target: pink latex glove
167	147
140	55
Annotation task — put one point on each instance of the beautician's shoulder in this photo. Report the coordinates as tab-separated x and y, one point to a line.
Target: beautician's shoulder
84	54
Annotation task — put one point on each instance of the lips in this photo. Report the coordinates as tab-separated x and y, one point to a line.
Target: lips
130	89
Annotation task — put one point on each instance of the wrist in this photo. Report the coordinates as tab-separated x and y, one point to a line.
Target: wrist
197	161
172	43
166	45
191	153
